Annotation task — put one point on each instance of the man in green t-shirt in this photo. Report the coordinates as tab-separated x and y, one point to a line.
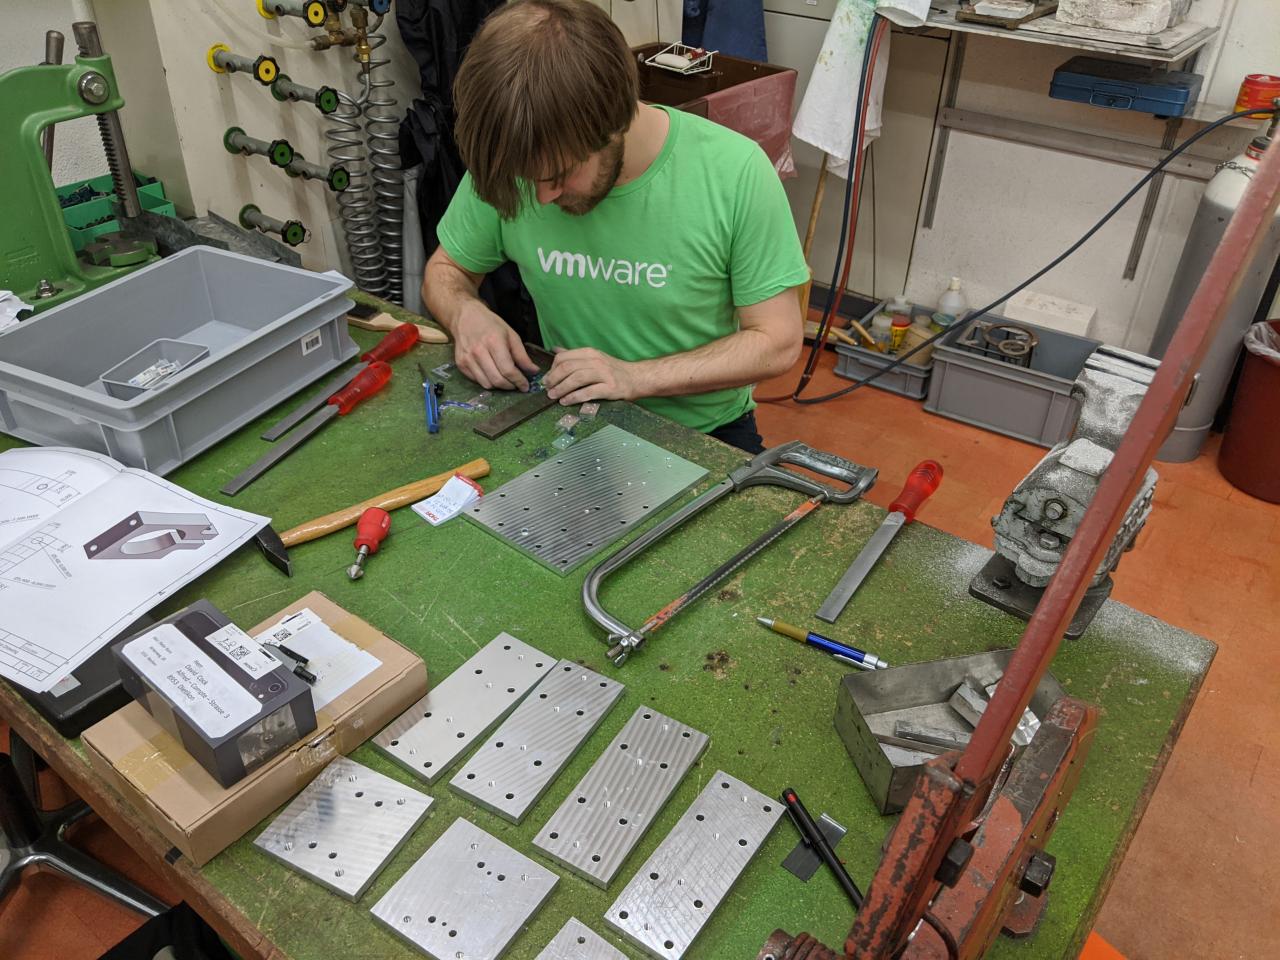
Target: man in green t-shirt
658	246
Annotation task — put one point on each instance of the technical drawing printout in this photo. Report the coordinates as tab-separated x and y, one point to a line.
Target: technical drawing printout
86	547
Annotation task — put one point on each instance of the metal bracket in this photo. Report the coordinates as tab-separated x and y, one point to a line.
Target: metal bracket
151	536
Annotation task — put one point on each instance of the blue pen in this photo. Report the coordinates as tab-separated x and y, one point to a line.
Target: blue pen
430	402
841	651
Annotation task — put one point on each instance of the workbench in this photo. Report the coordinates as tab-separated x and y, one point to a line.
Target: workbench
766	702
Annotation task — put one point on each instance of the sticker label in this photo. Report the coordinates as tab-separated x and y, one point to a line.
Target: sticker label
312	341
450	500
175	667
245	652
64	686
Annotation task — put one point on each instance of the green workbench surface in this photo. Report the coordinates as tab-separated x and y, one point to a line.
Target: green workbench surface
765	702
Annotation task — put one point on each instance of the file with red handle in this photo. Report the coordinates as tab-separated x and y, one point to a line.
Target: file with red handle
920	485
365	384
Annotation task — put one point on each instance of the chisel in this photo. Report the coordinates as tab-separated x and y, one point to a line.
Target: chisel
921	483
367	382
398	341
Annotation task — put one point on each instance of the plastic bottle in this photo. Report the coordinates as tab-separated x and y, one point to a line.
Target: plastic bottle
953	301
898	331
882	330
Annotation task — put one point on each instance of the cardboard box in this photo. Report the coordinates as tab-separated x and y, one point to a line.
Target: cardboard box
151	770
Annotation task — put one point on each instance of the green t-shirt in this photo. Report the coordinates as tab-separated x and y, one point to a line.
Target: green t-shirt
661	262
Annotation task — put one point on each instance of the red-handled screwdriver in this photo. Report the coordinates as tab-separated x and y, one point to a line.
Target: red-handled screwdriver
396	343
366	383
921	483
371	529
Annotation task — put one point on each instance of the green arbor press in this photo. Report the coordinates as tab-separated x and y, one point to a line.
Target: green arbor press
37	261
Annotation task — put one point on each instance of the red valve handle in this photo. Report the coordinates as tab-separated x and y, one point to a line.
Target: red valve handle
372	528
367	382
397	342
921	483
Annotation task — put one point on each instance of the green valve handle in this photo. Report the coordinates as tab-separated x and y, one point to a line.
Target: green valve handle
280	153
339	179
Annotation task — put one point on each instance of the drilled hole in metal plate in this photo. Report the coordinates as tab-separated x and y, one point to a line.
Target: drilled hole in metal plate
595	858
699	818
554	835
698	904
623	914
668	944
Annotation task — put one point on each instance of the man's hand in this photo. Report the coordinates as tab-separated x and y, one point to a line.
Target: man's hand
578	376
488	351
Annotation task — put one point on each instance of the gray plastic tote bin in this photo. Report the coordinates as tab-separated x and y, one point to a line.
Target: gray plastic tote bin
1030	403
269	329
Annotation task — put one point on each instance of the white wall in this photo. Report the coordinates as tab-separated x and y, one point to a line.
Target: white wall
177	109
77	153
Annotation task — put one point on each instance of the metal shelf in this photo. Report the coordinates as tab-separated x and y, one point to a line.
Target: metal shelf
942	16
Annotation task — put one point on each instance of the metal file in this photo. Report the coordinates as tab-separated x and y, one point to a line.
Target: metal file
429	736
527	752
614	803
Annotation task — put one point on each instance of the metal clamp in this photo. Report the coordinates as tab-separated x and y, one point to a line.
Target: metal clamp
765	469
150	536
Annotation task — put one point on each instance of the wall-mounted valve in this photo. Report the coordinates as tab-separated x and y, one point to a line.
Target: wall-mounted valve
279	152
264	69
378	7
335	178
312	11
291	232
325	99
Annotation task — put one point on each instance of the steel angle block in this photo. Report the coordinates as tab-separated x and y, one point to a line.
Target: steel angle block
669	900
429	736
466	897
577	941
614	803
577	503
344	827
526	753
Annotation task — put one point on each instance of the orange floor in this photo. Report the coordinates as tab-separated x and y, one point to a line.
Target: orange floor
1198	881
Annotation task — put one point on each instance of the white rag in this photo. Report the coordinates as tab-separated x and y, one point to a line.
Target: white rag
905	13
826	115
10	307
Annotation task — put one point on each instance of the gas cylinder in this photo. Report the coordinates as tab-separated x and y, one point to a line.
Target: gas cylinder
1221	197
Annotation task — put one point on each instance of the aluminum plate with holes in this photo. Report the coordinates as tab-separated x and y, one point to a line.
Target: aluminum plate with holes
609	810
577	503
516	765
467	897
429	736
669	900
577	941
344	826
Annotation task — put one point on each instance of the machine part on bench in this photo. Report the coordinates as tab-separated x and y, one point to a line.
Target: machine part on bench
608	812
803	861
671	898
575	504
937	736
345	826
467	896
151	536
577	941
1041	516
765	469
511	771
428	737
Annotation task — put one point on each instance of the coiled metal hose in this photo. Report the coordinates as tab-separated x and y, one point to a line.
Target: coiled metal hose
345	134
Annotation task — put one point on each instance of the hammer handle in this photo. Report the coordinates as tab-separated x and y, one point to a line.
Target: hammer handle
399	497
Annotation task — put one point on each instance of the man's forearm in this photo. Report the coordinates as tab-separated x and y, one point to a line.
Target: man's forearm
446	291
742	358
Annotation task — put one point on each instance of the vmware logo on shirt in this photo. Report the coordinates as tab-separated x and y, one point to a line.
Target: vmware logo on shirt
626	272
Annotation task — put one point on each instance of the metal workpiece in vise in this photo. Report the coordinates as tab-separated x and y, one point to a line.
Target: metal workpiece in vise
766	469
262	68
324	99
335	178
39	263
312	12
292	232
279	152
1040	517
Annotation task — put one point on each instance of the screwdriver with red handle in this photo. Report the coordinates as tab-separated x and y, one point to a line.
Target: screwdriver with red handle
399	341
366	383
371	529
921	483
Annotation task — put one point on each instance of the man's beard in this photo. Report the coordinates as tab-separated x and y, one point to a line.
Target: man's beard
610	171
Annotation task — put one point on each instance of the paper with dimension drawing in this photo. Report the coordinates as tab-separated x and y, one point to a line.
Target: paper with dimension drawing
86	547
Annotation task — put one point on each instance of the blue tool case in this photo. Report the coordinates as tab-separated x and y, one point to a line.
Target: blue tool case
1126	86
